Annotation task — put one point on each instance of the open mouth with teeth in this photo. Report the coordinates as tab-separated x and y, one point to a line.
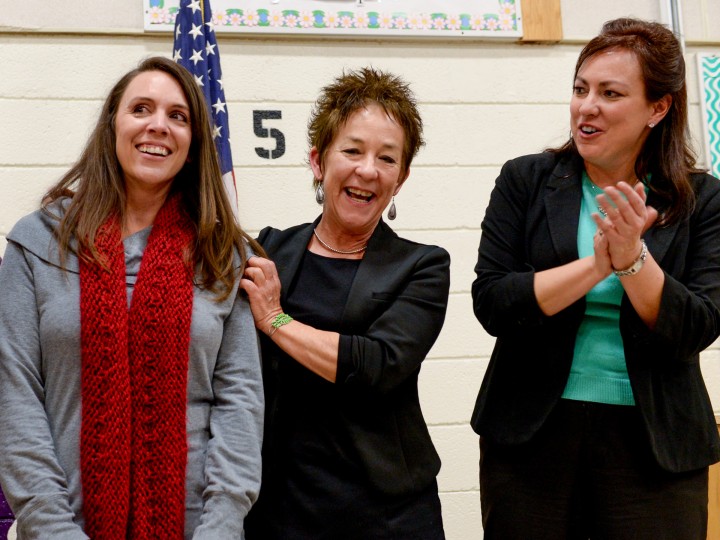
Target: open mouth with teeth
588	130
153	150
359	195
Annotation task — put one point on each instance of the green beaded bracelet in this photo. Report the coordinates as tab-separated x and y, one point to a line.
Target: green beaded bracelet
280	319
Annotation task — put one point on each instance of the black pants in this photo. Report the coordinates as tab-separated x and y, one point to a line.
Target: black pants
588	474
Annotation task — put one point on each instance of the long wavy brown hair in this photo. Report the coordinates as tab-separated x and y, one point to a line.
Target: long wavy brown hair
666	154
96	188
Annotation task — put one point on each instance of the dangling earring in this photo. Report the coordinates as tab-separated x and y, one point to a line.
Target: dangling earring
319	194
392	212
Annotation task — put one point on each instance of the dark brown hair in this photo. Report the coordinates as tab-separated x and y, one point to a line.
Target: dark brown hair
96	187
355	90
666	154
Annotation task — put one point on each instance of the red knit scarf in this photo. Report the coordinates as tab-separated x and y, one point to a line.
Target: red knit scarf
133	442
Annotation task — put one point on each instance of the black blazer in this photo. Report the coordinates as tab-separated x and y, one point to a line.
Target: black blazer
393	315
531	225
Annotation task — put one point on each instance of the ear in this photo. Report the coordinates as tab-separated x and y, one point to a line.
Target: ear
401	181
659	109
315	164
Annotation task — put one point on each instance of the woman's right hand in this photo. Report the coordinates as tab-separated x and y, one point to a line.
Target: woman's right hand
262	284
315	349
627	219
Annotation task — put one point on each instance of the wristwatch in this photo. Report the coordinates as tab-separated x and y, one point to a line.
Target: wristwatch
635	267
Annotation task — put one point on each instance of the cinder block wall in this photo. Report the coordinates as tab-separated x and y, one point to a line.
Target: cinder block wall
482	102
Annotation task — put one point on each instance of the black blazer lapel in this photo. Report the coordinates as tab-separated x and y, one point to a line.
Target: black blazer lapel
288	254
562	206
375	266
658	239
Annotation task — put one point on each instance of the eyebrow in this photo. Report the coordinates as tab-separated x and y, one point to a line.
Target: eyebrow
357	140
172	106
602	83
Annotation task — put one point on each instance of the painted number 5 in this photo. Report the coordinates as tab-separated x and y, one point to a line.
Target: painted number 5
264	133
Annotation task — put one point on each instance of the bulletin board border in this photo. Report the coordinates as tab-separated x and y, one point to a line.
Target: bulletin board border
391	18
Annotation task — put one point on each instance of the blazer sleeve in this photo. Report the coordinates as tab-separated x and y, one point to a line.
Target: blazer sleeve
503	292
689	316
395	343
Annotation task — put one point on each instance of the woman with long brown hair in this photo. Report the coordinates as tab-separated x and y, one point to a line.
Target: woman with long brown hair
130	388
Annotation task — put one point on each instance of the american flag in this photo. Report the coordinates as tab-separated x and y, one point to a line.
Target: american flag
195	48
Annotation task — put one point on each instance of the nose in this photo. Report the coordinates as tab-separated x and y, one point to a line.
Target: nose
366	167
589	104
158	122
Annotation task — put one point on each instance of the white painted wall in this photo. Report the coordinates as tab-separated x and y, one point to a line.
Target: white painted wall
483	103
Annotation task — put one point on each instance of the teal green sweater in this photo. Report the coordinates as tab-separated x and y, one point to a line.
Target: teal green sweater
598	371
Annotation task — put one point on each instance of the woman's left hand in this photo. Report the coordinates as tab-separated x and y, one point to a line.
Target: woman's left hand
628	217
262	285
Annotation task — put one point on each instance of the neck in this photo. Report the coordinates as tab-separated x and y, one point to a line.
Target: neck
604	177
329	242
140	211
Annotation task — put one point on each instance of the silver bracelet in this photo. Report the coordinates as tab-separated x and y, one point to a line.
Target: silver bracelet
635	267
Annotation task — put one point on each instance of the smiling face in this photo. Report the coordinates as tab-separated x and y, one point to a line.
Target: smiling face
361	171
610	114
152	132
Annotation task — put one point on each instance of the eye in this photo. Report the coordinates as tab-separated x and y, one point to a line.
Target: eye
140	109
579	90
389	160
611	94
182	117
351	151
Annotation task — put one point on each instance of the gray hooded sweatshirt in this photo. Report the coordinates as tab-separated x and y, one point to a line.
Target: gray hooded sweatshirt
40	394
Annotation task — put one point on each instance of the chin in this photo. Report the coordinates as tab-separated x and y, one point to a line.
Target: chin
590	157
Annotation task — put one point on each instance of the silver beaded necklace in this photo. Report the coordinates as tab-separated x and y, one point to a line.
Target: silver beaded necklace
596	189
339	251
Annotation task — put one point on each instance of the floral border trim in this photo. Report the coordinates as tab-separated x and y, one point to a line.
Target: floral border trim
160	16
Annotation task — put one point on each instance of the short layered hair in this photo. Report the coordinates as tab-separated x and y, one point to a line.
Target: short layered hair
355	90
